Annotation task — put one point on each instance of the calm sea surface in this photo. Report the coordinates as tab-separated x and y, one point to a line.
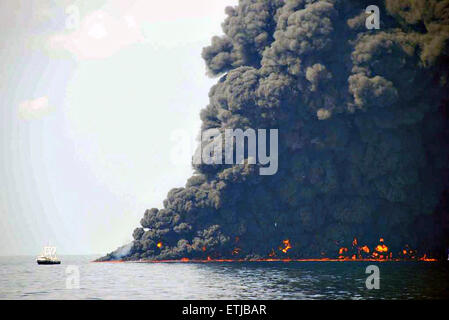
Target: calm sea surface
22	278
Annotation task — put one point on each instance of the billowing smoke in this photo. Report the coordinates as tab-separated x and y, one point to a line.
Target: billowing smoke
363	135
122	251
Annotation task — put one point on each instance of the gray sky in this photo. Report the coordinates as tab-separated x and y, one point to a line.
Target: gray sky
91	115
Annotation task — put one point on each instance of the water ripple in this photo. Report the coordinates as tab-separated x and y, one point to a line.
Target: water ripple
21	277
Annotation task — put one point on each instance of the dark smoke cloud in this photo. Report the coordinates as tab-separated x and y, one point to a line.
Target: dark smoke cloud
248	31
363	123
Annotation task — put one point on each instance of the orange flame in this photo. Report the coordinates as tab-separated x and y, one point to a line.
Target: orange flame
381	252
365	249
236	251
287	246
382	248
424	258
209	259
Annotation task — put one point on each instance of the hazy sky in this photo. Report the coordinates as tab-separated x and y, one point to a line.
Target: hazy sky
91	115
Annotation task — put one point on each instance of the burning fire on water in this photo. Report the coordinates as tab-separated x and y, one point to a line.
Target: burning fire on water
381	252
287	246
357	252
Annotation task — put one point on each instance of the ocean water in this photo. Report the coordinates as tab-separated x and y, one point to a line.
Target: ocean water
22	278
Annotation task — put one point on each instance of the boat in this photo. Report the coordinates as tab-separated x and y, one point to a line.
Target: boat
48	256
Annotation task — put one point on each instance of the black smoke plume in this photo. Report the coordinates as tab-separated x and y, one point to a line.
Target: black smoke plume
363	135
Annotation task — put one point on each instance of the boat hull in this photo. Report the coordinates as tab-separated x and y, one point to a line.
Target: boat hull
48	262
